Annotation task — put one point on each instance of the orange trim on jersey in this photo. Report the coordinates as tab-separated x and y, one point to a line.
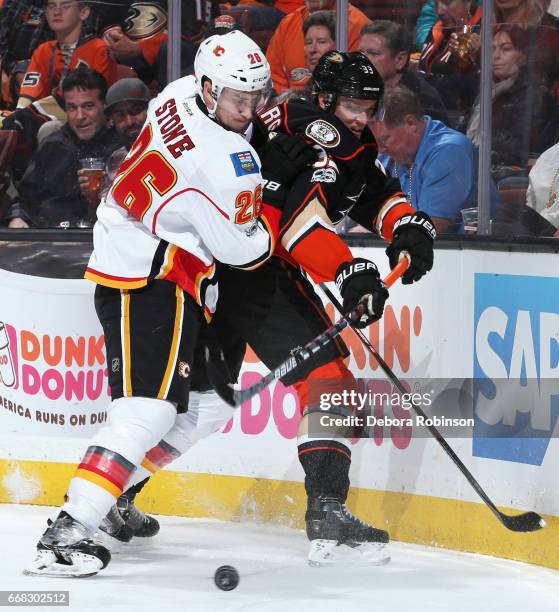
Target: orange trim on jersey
285	120
172	360
116	282
320	253
395	213
271	216
335	370
100	481
149	466
354	154
199	279
125	343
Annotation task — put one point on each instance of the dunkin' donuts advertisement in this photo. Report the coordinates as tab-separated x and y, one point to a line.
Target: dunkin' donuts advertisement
53	371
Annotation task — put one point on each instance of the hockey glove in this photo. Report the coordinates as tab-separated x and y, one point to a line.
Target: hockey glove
273	192
285	157
359	282
414	234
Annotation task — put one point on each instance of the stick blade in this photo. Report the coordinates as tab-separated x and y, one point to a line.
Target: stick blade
214	369
529	521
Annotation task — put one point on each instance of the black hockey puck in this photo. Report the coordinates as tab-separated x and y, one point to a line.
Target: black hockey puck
226	577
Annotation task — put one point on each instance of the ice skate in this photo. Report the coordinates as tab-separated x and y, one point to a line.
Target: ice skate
141	525
330	525
113	531
65	551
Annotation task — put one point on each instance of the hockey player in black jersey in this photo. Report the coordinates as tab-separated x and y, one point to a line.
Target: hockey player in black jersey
275	308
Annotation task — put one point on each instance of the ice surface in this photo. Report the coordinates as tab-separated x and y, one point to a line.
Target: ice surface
174	571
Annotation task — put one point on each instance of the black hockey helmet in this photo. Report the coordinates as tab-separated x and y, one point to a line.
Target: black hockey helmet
346	74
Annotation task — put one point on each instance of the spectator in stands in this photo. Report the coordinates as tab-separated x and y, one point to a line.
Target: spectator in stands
435	164
286	49
135	38
22	30
426	20
388	46
127	106
319	34
543	35
52	60
196	26
126	109
543	188
49	193
523	111
266	14
451	63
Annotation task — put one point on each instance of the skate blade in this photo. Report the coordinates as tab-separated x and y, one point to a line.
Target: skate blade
114	545
327	552
46	564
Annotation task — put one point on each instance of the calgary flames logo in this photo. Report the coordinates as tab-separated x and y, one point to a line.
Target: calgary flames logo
219	51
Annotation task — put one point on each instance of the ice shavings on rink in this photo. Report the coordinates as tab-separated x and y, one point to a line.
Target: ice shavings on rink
174	571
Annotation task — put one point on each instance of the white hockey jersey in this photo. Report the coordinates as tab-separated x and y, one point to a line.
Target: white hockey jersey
188	193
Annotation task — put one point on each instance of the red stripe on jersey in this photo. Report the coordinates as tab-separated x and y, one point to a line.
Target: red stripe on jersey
124	279
320	253
222	212
159	457
112	470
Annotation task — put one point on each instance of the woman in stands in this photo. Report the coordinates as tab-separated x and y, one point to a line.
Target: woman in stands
543	35
523	110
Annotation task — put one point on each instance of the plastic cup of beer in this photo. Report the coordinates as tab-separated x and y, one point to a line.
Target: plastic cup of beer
469	220
95	170
463	36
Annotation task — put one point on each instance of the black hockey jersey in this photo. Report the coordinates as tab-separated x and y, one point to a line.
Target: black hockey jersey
346	180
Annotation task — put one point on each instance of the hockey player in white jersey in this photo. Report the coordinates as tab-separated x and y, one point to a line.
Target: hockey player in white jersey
190	192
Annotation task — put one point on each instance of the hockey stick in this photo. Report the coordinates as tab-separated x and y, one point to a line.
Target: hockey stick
236	397
528	521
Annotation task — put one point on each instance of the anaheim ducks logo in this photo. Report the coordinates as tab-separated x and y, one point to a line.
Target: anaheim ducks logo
145	20
299	74
336	57
219	51
323	133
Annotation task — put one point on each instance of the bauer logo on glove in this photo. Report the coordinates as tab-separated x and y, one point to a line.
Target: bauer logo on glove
417	220
359	282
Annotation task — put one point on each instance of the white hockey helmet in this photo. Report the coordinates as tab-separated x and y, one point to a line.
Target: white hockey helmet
231	60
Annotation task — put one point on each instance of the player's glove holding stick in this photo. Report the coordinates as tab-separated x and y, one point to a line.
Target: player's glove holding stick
414	234
359	282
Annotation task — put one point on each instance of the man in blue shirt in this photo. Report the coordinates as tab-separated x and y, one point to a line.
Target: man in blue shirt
436	165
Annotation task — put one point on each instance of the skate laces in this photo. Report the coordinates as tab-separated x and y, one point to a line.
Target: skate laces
131	515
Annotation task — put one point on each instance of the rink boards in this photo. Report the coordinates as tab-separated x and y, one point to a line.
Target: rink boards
480	315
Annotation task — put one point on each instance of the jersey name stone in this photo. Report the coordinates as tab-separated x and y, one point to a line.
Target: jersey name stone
172	130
